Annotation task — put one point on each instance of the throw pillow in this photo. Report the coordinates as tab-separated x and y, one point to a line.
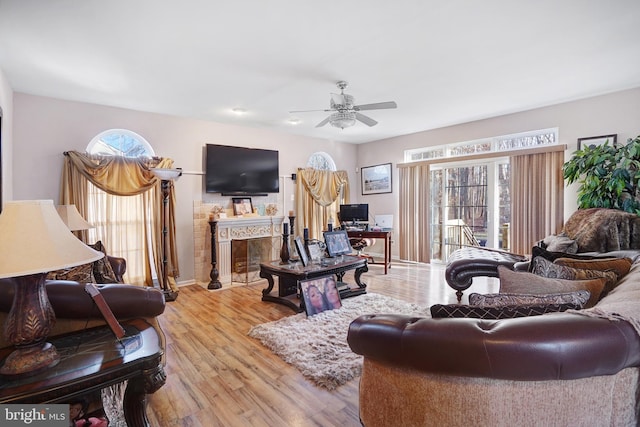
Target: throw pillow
537	251
520	282
102	270
579	298
546	268
495	313
81	274
620	266
560	243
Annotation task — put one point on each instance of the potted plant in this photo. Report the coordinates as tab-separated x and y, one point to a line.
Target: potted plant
608	176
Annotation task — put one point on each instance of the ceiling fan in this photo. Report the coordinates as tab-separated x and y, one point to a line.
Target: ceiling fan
344	113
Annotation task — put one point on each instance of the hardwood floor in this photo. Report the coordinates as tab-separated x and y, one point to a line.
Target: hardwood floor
218	376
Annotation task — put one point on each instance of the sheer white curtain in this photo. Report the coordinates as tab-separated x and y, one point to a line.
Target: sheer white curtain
117	222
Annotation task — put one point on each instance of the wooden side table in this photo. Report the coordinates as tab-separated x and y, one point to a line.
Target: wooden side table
382	234
92	360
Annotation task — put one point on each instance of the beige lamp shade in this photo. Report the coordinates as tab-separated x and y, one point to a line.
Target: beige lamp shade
72	218
33	239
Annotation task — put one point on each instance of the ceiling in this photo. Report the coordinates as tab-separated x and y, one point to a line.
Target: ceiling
443	62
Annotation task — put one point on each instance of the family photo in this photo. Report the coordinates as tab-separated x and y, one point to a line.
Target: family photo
320	294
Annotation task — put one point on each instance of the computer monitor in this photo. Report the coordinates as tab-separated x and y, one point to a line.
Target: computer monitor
358	212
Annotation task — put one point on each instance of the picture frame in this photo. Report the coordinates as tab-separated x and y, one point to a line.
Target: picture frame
595	141
376	179
337	243
317	250
302	252
320	294
242	206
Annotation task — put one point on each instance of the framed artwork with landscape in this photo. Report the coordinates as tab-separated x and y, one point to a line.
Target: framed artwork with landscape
594	141
320	294
376	179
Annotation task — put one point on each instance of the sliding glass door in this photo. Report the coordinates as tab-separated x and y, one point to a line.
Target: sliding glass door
469	206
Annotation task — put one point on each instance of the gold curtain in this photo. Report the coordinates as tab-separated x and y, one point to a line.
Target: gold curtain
318	199
537	198
414	234
120	176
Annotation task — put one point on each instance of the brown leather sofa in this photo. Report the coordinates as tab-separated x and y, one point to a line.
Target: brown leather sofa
75	310
555	369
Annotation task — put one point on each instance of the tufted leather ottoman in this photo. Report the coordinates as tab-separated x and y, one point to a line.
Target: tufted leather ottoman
466	263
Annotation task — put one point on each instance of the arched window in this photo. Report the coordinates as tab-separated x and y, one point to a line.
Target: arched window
322	161
122	223
120	142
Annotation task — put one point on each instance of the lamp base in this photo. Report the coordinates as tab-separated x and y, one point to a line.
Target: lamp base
30	360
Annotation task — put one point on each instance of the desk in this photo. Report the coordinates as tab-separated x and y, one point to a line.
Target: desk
289	275
383	234
92	360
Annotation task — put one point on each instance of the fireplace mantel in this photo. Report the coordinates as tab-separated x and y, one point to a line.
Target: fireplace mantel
242	228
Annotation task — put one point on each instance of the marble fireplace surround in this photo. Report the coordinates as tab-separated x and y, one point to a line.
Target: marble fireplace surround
227	230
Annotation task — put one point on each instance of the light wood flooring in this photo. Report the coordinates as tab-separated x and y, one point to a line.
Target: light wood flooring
218	376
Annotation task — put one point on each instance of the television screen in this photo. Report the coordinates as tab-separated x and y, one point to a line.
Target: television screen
354	212
241	171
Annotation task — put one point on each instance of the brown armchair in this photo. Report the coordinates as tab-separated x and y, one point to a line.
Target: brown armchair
119	266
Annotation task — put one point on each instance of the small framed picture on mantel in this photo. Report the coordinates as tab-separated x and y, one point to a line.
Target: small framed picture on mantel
242	206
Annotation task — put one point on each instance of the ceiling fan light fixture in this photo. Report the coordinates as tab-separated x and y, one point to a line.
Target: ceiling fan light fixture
343	119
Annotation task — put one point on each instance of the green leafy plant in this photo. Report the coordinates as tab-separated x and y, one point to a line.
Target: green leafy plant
608	176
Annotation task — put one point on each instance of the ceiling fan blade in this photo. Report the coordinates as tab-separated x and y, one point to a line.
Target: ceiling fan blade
366	120
324	122
376	106
308	111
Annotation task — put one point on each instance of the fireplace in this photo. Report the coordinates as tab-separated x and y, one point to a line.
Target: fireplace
246	256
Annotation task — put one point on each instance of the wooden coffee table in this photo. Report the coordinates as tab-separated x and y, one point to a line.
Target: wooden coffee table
290	274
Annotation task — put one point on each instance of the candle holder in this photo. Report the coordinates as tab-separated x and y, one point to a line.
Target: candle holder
284	250
292	236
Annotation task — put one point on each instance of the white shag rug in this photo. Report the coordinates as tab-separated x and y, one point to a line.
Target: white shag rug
317	345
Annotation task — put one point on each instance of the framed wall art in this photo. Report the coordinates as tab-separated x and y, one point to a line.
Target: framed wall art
376	179
594	141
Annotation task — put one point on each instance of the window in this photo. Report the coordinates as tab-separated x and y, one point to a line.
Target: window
120	142
518	141
321	161
120	221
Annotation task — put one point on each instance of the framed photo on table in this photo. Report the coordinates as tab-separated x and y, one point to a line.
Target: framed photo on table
337	243
320	294
376	179
595	141
302	252
242	206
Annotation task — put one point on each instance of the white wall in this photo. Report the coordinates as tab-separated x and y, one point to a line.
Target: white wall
616	113
6	103
46	127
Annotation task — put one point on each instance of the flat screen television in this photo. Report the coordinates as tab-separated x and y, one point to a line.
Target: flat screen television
241	171
358	212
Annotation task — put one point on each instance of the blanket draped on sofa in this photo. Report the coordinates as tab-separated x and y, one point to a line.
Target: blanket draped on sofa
603	230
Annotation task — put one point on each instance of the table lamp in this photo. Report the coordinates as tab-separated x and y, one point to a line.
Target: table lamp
72	218
33	241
